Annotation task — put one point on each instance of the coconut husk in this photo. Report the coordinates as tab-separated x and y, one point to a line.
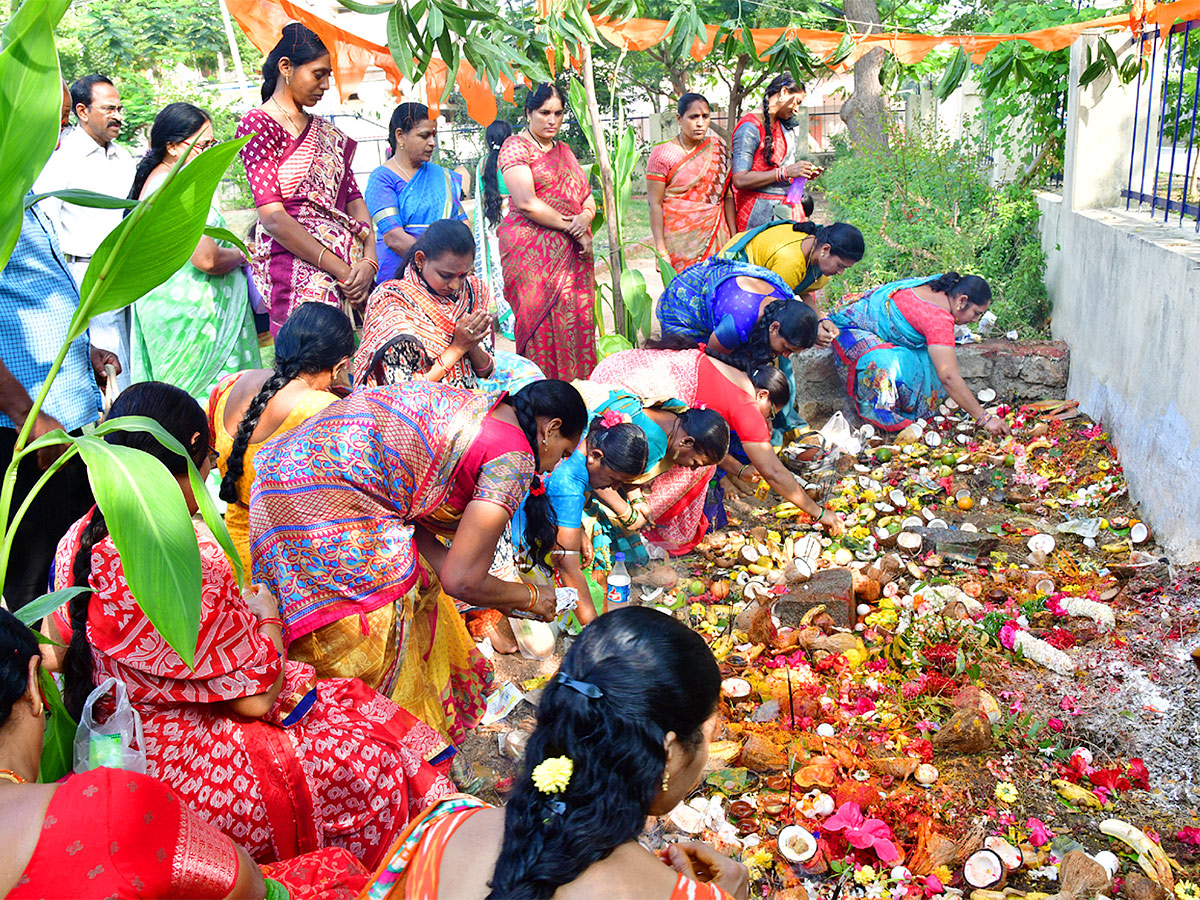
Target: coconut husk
866	588
971	841
967	731
933	850
762	628
793	893
1080	877
902	767
1138	887
760	755
721	755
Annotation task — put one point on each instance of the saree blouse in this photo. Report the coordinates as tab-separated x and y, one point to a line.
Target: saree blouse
433	193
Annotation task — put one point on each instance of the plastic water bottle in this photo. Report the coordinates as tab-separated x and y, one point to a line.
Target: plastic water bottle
617	596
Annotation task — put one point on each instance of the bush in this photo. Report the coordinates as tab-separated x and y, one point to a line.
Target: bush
924	207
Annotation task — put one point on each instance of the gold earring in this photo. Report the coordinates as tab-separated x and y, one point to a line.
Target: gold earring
666	782
287	79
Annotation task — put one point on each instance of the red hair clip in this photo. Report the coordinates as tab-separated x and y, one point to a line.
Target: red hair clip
537	489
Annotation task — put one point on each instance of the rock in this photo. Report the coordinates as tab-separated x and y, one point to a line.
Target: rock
833	588
967	731
1139	887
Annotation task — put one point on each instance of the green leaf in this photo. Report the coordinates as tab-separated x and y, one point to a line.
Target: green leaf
84	198
1092	72
665	270
1106	52
397	40
156	239
58	740
953	76
218	233
27	12
367	9
435	22
204	501
610	344
153	533
47	603
30	103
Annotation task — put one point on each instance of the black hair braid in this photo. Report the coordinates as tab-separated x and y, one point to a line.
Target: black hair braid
541	524
235	465
77	663
768	144
152	157
17	647
496	134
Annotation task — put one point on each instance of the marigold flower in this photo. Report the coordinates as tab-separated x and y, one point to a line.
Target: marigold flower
551	776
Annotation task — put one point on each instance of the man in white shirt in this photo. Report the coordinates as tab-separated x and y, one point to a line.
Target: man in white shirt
89	158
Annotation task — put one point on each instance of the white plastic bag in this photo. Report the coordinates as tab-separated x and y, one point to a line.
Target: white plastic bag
115	744
837	433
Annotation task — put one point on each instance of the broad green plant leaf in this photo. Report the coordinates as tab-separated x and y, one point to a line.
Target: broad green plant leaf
665	270
58	740
30	104
81	197
610	344
47	603
29	10
218	233
204	501
153	533
156	239
637	299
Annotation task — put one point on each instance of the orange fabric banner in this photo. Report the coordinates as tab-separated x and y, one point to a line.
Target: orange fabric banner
351	52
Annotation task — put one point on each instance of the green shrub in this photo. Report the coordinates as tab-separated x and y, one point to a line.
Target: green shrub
924	207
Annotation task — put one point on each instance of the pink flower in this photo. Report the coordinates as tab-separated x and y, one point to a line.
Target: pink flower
1189	835
611	417
1008	634
934	885
1039	834
863	833
864	706
1055	725
1138	773
1069	704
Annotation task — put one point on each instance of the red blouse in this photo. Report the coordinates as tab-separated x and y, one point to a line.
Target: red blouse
112	833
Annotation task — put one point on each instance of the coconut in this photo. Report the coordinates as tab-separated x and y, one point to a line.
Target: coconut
926	774
797	844
985	870
687	819
911	522
1045	586
933	439
897	497
1041	543
987	395
1109	860
735	687
825	730
1009	855
909	541
1139	533
843	556
938	523
968	526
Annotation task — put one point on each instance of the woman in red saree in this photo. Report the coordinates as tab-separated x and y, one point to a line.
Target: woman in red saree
250	740
112	833
687	181
313	242
546	243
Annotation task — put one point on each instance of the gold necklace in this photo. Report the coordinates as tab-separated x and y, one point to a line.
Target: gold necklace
286	115
10	775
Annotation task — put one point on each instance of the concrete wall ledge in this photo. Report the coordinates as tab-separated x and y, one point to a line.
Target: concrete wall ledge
1126	295
1019	371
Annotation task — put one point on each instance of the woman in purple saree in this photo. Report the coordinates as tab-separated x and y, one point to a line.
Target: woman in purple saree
313	241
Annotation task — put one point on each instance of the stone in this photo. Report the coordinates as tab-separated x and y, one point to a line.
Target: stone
832	587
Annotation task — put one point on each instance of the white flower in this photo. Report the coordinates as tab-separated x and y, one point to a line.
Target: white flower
1038	651
1100	613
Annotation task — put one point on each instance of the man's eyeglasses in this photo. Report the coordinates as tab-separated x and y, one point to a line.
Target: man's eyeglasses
109	110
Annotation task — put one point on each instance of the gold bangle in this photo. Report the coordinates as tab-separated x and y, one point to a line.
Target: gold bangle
532	597
320	257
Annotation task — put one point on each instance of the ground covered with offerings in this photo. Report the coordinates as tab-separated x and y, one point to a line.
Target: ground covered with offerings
983	689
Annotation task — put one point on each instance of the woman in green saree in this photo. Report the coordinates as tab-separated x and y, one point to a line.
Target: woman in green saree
197	326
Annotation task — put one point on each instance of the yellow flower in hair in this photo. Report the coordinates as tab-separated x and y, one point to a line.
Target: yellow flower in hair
551	776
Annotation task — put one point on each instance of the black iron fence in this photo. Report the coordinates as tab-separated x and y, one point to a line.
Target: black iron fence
1164	135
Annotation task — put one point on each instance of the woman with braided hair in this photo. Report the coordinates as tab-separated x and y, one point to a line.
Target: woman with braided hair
246	736
247	409
622	733
346	516
765	151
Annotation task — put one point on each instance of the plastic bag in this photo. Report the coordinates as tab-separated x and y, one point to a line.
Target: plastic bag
117	743
837	433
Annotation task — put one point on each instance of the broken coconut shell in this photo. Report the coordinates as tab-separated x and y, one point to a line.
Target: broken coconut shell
1009	855
797	844
1080	877
985	870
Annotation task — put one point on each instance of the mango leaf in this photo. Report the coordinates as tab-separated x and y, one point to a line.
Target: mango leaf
58	740
953	76
156	239
204	501
612	343
30	103
149	523
218	233
80	197
1092	72
46	604
366	9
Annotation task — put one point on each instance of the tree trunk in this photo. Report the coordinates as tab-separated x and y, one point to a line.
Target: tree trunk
865	113
606	185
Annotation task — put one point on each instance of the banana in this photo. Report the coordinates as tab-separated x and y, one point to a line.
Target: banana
1073	793
1150	856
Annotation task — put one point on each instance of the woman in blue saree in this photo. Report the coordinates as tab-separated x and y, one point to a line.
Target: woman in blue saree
744	314
896	348
408	192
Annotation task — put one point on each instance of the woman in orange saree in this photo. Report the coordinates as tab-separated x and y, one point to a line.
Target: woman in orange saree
687	180
546	243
